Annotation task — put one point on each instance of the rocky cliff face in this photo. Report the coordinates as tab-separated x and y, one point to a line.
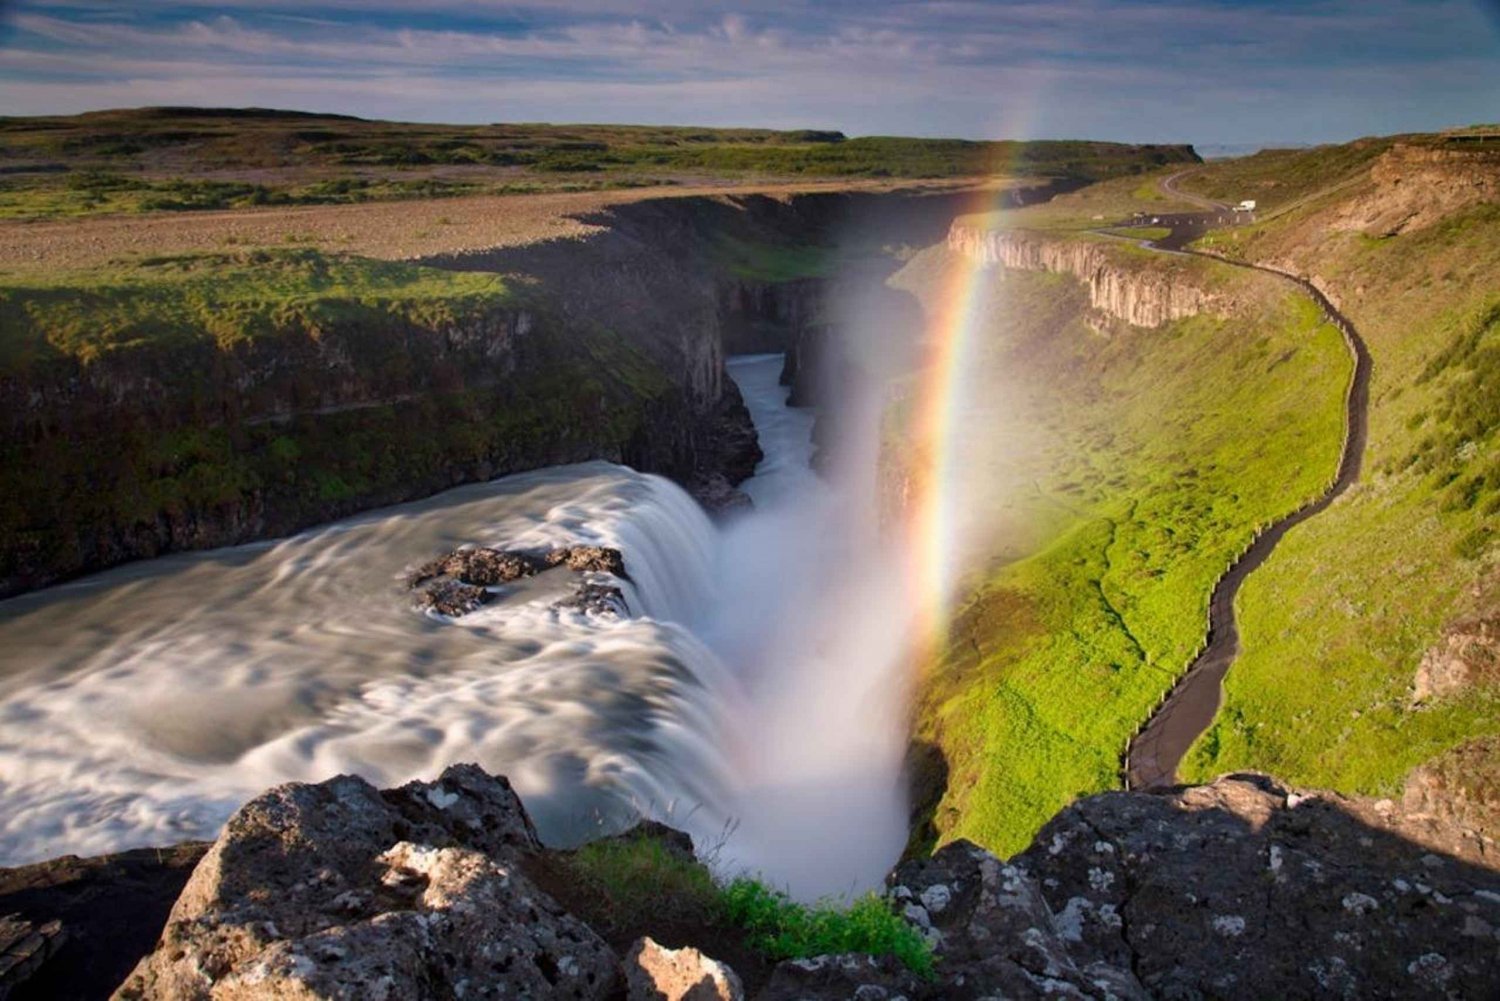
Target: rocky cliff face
1239	889
165	448
1417	186
612	348
1148	292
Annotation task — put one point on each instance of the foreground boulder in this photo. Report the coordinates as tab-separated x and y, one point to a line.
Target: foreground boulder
656	973
24	947
995	934
1241	889
1238	889
848	977
337	890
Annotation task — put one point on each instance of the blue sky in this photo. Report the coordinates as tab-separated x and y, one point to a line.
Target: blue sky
1162	70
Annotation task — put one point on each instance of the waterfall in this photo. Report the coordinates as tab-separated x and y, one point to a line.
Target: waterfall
748	698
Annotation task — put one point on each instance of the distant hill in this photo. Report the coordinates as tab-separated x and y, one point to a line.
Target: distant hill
181	158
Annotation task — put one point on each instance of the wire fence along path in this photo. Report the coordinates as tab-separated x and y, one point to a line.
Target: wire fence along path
1188	708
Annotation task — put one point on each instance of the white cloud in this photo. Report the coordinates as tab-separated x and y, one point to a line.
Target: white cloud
1099	67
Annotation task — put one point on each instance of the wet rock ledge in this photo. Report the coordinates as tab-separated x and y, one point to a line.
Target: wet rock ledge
460	582
1238	889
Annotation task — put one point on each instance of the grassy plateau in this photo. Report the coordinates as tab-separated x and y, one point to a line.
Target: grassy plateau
193	159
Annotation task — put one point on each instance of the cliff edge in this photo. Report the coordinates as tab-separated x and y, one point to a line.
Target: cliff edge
1238	889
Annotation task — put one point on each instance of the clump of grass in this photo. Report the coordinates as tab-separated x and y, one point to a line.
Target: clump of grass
783	929
642	881
638	879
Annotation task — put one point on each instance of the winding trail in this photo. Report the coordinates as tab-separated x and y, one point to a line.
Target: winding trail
1189	707
1168	186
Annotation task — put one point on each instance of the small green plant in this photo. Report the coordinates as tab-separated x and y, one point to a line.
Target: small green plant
636	882
635	879
784	929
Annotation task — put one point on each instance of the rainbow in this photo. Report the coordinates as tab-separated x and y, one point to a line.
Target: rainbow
941	395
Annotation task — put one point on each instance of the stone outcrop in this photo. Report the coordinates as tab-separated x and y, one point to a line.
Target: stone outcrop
995	934
1246	889
656	973
479	566
451	597
1417	186
337	890
596	599
1468	654
1238	889
1460	788
844	977
108	911
24	947
1145	293
589	559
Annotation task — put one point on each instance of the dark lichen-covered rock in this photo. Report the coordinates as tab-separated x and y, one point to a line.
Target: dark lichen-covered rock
596	599
24	947
847	977
336	890
589	559
1246	889
995	935
718	496
450	597
1237	889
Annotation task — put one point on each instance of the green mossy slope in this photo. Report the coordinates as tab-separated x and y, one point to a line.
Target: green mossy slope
1147	459
1336	623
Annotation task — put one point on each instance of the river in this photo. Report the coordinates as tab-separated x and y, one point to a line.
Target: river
754	697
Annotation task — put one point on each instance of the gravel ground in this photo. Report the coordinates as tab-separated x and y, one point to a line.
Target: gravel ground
390	230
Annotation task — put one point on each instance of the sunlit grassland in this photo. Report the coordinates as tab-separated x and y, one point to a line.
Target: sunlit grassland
224	298
1275	178
1155	455
1335	624
1098	205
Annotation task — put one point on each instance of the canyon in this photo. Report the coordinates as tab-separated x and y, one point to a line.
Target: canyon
607	346
616	345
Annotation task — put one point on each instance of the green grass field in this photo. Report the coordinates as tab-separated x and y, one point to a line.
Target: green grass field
1336	622
1154	454
633	883
1276	178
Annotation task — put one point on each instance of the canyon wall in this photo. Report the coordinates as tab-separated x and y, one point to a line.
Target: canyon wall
1145	292
609	347
1415	187
170	447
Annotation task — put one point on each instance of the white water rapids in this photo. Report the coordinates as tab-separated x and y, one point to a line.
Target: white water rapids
754	698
